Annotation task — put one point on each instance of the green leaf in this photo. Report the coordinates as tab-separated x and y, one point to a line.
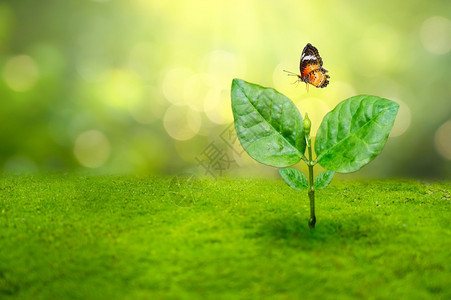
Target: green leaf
295	179
354	132
268	124
323	179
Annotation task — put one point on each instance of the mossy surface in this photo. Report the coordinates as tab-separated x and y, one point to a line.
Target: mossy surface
110	237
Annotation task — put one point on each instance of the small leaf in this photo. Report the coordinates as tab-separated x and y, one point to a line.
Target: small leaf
323	179
268	124
295	179
354	132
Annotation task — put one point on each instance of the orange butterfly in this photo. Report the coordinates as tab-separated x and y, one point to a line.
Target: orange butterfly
311	67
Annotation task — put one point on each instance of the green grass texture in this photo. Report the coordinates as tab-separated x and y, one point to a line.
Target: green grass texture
125	237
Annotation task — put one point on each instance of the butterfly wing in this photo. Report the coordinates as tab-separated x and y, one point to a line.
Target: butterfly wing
310	60
311	67
318	78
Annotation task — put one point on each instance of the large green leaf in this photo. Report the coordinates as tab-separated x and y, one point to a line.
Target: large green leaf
268	124
294	178
323	179
354	132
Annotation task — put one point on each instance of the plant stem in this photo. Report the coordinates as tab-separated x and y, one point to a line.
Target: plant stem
311	186
310	163
311	195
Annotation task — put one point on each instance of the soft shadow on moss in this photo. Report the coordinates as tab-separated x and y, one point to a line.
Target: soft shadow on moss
293	231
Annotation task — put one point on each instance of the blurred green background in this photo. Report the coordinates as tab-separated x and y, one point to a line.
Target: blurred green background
141	86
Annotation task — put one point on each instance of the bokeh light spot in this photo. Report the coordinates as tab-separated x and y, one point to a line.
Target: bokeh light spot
20	73
403	119
435	35
92	148
195	91
217	106
181	123
224	66
173	84
443	140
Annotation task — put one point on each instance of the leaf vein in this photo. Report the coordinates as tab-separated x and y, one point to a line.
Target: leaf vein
349	136
283	137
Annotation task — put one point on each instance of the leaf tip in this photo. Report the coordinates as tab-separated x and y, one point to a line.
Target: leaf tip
236	81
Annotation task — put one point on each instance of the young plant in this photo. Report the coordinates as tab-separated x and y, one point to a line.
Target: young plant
271	130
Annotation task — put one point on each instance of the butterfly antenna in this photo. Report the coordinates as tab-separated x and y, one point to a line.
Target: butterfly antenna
306	87
290	73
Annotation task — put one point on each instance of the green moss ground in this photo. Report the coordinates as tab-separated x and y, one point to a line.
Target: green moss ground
107	237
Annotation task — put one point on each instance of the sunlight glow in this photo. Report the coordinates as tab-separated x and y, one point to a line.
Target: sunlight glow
165	68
